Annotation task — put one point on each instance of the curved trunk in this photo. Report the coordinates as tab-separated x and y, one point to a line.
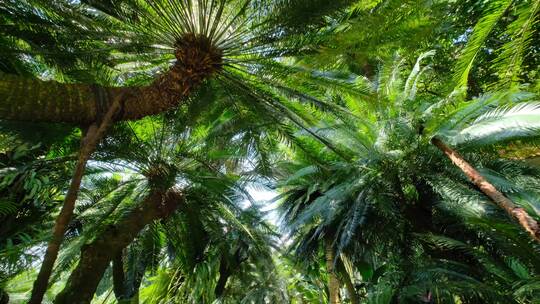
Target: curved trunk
528	223
96	256
333	282
49	101
88	144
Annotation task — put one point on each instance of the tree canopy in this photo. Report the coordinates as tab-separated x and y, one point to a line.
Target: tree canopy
269	151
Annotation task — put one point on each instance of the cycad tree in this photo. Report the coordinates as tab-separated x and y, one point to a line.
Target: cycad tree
392	174
168	169
159	51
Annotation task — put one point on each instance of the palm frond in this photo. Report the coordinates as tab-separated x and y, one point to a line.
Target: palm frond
478	39
502	124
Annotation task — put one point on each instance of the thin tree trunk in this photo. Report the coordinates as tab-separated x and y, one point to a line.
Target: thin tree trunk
96	256
333	282
351	291
224	274
88	144
519	214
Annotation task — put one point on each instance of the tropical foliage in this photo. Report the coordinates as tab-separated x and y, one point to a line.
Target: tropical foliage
276	151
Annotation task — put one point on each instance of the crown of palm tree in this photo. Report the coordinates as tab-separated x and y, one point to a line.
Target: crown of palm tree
395	185
151	55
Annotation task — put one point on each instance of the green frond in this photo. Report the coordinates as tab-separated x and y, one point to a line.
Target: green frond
477	40
520	32
521	121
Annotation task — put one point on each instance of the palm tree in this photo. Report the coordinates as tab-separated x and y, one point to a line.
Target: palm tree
394	184
524	219
191	40
159	163
209	237
315	239
369	199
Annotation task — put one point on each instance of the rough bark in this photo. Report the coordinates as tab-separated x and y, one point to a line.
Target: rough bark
333	282
97	255
49	101
528	223
88	144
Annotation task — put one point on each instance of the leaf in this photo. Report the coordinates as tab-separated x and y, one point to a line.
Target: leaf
502	124
480	33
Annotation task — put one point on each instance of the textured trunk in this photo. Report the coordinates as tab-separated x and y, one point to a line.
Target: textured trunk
48	101
96	256
333	282
88	144
519	214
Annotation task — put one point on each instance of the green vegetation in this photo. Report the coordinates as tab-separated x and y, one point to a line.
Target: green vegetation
395	145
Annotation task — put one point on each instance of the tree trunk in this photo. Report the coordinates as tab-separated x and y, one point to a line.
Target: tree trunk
333	282
351	291
224	274
226	268
88	144
119	279
49	101
96	256
4	297
523	218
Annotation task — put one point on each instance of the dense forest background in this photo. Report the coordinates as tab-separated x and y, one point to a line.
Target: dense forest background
396	142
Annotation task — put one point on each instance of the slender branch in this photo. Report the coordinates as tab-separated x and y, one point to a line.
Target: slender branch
346	278
528	223
333	281
93	135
